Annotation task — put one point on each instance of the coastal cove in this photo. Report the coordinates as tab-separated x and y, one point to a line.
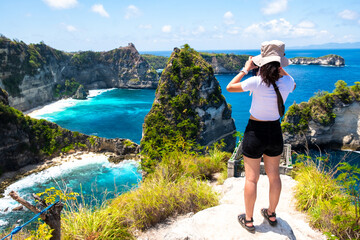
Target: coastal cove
122	111
114	113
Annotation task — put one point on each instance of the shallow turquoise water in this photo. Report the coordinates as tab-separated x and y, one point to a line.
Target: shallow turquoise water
94	177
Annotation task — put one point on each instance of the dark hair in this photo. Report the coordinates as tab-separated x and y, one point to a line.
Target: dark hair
270	73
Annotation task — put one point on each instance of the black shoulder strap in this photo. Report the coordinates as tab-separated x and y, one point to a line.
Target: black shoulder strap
280	101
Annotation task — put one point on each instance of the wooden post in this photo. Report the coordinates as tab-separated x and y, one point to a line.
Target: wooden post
51	217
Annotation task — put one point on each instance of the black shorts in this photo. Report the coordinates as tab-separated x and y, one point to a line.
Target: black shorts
262	138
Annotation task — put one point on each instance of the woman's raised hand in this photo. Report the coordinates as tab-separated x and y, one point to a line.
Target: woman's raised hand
249	65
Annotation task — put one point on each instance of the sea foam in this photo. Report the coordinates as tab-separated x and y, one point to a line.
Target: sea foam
3	223
56	172
94	93
62	104
58	106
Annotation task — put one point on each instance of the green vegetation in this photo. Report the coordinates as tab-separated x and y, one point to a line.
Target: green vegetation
157	62
128	143
85	58
231	62
322	57
24	59
45	138
173	123
68	89
331	203
319	108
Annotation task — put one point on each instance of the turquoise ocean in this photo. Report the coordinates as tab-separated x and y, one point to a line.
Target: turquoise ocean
119	113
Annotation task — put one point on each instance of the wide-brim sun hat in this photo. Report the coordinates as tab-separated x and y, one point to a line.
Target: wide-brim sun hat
271	51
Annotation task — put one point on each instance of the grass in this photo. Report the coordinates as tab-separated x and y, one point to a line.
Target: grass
327	201
177	186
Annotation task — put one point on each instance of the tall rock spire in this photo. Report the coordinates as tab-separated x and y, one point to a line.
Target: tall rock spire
188	105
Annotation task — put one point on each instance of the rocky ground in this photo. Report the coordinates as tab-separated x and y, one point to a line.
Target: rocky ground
220	222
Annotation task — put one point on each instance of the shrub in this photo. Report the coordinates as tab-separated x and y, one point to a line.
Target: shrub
319	108
329	202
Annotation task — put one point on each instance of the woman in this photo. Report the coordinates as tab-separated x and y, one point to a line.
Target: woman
263	135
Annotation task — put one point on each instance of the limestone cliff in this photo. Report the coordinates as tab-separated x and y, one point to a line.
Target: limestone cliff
188	105
327	120
220	62
30	73
328	60
24	140
225	63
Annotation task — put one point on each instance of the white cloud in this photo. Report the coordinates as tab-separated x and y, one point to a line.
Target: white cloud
199	30
275	7
132	12
166	28
145	26
229	18
61	4
71	28
284	29
233	31
306	24
99	8
218	36
348	14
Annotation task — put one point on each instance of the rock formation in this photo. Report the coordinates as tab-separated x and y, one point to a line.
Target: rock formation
225	63
343	133
81	93
220	62
326	121
329	60
30	73
188	105
24	140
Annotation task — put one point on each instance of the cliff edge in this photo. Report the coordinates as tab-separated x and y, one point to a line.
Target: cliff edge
32	73
327	120
220	222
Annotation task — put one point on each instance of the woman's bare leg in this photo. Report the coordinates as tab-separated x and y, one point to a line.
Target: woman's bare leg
272	171
252	172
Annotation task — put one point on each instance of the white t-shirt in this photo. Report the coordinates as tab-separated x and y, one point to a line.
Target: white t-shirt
264	100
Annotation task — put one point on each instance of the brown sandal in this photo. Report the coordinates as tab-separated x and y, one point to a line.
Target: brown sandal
264	213
242	220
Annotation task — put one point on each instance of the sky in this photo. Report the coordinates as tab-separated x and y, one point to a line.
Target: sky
161	25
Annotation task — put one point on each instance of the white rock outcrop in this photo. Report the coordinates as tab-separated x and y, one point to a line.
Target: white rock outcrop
329	60
220	222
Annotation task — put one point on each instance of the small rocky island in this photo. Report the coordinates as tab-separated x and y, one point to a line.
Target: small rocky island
328	60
